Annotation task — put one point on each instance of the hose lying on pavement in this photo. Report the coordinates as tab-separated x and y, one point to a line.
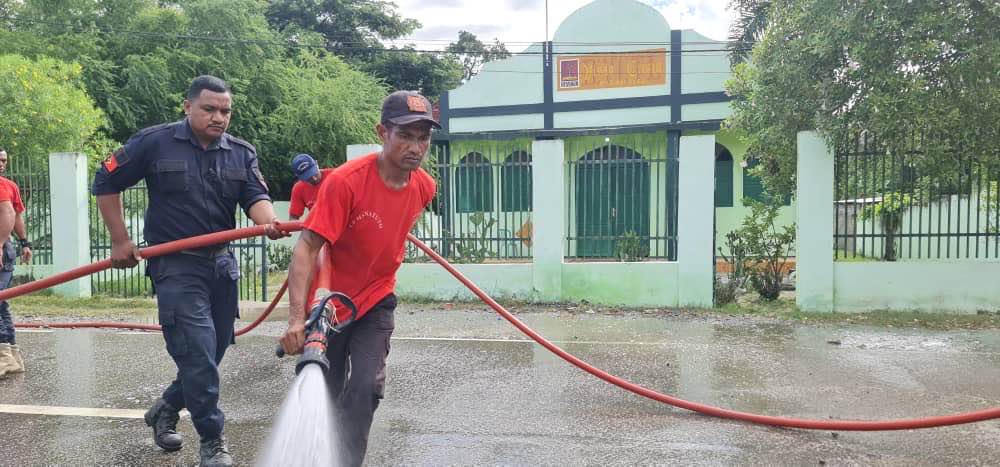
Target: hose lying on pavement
222	237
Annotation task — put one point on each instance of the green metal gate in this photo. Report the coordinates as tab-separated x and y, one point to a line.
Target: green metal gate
613	199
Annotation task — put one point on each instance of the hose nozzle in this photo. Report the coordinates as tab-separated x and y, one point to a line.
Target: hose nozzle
319	328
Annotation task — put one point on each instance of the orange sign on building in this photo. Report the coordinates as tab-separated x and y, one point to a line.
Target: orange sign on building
613	70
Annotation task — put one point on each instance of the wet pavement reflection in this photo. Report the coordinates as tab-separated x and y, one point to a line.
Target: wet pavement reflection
465	388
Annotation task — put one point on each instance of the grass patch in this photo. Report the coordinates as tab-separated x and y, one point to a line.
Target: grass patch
36	305
786	309
842	256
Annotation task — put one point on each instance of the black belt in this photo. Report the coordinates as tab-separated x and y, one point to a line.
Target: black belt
207	252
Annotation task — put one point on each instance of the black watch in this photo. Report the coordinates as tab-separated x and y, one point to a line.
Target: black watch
24	243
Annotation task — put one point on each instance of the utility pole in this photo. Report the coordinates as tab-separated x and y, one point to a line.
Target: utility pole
546	19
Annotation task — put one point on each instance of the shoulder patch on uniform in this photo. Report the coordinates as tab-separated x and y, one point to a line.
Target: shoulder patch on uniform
115	160
241	143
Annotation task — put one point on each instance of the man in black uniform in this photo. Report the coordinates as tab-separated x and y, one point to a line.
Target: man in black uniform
196	174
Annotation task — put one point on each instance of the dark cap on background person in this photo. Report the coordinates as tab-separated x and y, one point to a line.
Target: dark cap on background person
405	107
304	167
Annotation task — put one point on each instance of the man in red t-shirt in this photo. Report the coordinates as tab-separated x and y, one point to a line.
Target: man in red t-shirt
11	222
364	210
305	190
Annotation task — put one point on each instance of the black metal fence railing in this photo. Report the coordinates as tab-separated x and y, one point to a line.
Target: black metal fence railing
926	200
482	211
251	253
31	174
35	195
619	192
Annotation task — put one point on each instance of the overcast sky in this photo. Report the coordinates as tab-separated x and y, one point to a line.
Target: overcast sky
518	22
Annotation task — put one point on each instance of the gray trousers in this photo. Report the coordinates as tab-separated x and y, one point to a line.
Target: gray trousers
356	379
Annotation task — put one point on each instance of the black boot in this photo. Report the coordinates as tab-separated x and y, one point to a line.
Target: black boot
163	418
214	453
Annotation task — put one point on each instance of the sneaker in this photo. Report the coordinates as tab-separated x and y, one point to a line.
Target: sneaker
163	418
214	453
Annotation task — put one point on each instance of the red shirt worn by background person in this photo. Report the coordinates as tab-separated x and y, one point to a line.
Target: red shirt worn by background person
10	192
304	194
365	223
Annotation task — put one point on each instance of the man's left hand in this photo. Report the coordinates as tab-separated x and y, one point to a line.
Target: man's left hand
274	230
26	255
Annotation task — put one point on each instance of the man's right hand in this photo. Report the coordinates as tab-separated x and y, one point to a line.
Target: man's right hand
295	337
124	254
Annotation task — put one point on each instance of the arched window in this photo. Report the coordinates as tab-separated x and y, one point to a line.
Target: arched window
723	177
473	184
515	182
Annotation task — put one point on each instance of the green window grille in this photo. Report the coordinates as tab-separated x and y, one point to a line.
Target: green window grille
515	180
473	184
723	177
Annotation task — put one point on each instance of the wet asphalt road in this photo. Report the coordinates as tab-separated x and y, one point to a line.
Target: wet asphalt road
465	388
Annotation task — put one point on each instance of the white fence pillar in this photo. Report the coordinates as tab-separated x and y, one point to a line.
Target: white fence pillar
695	221
814	224
548	217
70	196
355	151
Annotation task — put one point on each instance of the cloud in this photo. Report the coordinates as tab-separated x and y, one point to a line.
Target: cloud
485	32
523	4
519	22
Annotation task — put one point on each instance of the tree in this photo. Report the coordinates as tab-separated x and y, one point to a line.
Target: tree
325	106
890	68
43	109
349	26
354	30
408	69
749	26
473	53
138	57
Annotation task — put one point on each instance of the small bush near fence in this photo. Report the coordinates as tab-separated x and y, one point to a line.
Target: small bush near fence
278	257
759	251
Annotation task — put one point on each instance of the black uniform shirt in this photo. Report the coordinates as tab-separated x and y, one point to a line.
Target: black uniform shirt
192	191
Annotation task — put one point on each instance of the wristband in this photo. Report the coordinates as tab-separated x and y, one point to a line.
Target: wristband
24	243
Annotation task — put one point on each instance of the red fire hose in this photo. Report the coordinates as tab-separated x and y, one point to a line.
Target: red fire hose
221	237
148	252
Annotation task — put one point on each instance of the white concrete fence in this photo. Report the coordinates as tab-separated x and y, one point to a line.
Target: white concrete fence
962	285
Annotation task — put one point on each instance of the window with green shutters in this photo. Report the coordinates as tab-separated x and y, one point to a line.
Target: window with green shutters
753	187
515	182
723	177
473	184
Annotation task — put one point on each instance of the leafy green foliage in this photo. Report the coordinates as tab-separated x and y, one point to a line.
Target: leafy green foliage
472	53
278	257
740	264
748	26
763	247
890	68
631	247
44	109
405	68
474	247
890	212
139	56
